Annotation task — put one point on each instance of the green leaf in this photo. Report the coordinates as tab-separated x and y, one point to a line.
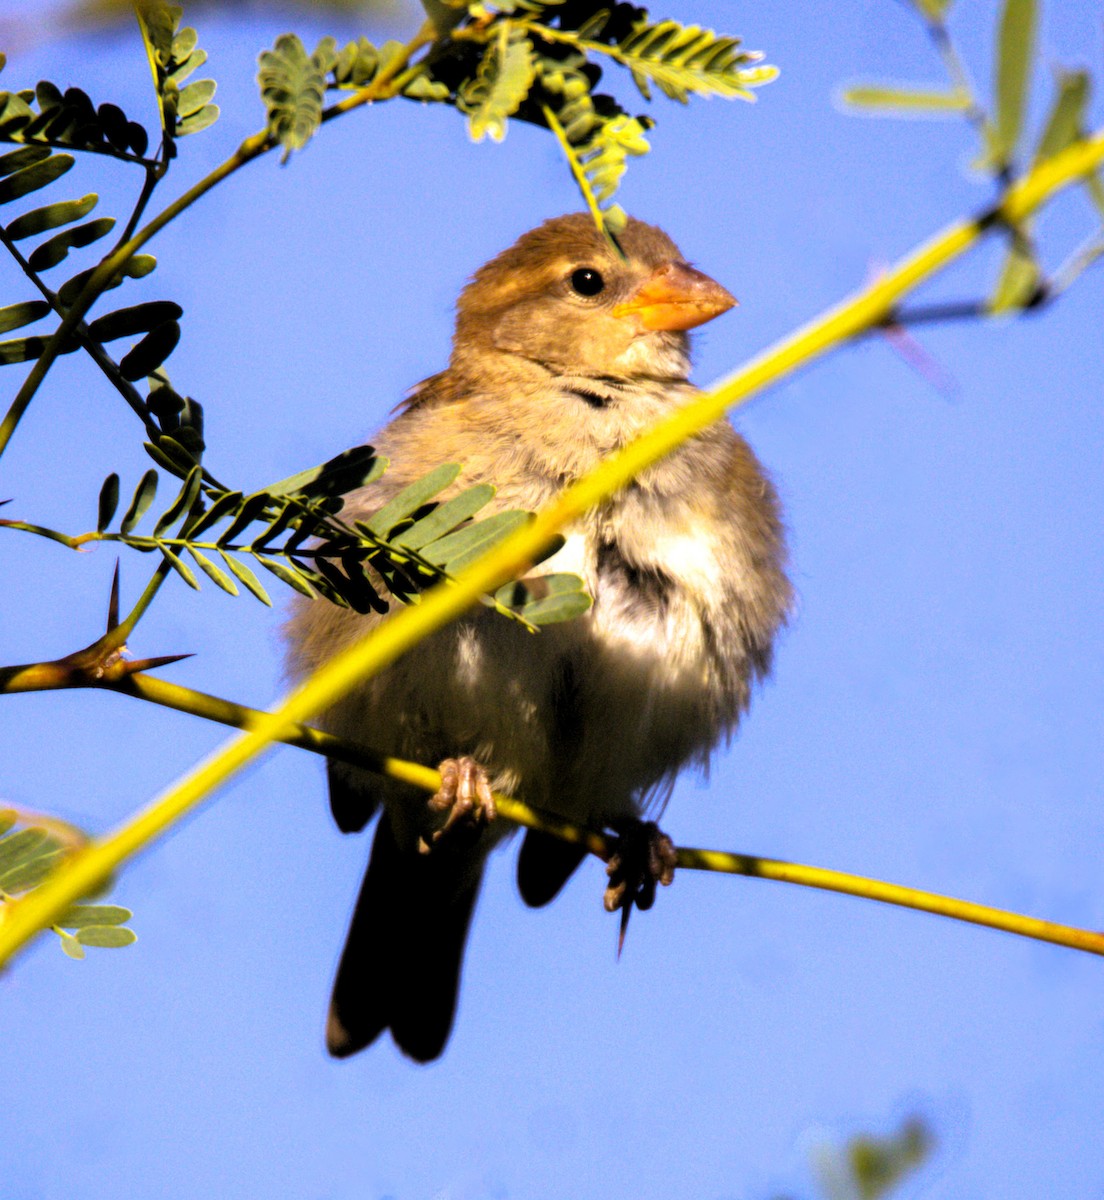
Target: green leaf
171	455
106	936
138	318
877	1164
1066	116
456	551
505	77
151	351
16	113
26	349
894	98
349	470
1018	279
179	566
15	316
411	498
247	577
293	87
8	817
424	87
55	250
596	149
545	599
18	847
37	175
185	498
553	609
198	121
251	509
70	944
212	572
195	96
1095	188
80	915
357	64
933	10
108	502
681	59
445	517
186	66
287	574
1015	51
135	268
142	499
33	870
227	503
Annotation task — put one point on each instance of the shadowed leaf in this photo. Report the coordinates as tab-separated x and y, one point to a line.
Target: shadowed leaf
150	352
108	502
55	250
15	316
135	320
456	551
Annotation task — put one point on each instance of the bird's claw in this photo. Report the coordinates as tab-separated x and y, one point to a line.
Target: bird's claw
645	856
466	799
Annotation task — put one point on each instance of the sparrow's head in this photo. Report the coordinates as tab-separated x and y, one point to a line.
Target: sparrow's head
562	297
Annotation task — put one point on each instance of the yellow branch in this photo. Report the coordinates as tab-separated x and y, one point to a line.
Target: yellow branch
893	893
88	868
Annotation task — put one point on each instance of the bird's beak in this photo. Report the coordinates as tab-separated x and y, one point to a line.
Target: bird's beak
675	296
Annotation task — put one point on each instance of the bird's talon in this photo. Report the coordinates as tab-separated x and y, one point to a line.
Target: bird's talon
644	857
466	800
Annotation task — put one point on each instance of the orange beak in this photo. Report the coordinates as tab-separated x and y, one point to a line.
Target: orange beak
675	296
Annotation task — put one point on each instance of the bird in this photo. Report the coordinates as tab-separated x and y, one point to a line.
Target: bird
566	348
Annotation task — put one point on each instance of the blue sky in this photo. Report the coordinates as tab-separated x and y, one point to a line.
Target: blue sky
933	719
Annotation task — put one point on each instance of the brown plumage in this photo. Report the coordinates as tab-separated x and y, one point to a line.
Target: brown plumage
562	354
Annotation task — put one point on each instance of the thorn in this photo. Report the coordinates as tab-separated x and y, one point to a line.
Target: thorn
626	911
151	664
113	603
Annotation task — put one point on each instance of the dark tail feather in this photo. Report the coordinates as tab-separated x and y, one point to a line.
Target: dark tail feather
545	864
400	969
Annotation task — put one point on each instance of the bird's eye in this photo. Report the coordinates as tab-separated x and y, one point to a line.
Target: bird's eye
587	281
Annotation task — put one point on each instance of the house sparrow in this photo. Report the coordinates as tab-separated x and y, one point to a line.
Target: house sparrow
563	353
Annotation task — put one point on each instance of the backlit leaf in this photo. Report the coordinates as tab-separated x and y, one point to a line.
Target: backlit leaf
140	502
80	915
106	936
894	98
1015	52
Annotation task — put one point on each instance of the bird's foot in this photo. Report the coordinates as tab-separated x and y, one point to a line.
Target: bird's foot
645	856
465	799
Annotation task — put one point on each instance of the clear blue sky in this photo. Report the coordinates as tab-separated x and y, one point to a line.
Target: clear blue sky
934	717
